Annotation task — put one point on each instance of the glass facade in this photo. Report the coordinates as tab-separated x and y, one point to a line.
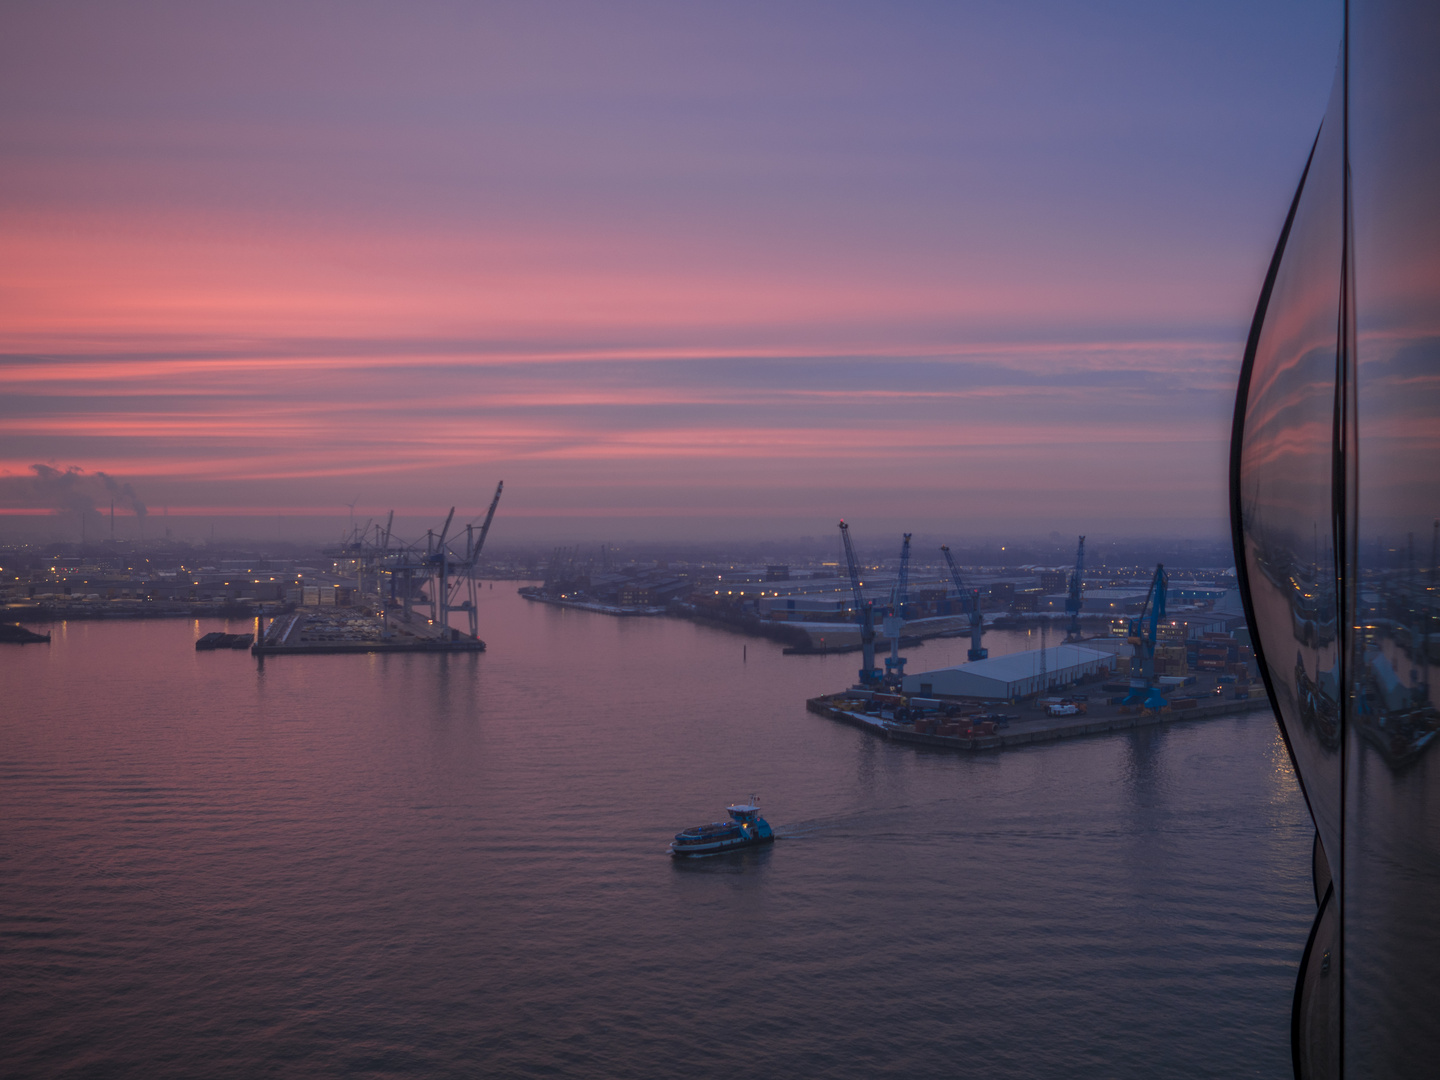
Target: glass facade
1335	502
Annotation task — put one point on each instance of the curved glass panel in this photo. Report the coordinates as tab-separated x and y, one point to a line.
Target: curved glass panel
1320	876
1315	1020
1335	491
1285	477
1390	900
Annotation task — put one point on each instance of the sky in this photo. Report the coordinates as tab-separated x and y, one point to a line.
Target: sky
671	271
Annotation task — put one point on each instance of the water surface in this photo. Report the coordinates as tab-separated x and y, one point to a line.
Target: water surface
421	865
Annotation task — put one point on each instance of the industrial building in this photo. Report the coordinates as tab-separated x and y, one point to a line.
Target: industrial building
1109	601
1018	675
806	607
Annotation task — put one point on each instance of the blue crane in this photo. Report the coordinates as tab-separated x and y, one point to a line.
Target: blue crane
902	584
1074	602
971	599
1143	690
864	613
895	621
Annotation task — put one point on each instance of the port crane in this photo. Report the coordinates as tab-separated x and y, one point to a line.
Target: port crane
1074	601
895	620
466	580
971	599
437	559
1143	690
451	571
864	614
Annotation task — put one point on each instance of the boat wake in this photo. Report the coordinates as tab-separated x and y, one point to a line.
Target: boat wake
879	815
799	830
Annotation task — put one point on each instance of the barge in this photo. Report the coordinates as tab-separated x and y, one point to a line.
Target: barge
346	630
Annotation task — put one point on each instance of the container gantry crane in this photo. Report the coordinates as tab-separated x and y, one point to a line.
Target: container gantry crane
445	571
1143	690
439	559
971	599
864	614
895	621
1075	601
473	546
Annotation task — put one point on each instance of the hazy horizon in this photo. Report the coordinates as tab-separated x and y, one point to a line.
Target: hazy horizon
519	533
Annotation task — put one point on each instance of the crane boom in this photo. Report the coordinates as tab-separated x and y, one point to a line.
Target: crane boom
489	517
902	584
895	621
864	613
971	600
473	547
1143	690
1075	601
955	575
853	566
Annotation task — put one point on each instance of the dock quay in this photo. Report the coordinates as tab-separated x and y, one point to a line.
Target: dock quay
1024	725
537	596
218	639
356	630
15	634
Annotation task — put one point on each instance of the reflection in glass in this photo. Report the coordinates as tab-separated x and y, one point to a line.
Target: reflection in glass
1391	880
1335	498
1286	477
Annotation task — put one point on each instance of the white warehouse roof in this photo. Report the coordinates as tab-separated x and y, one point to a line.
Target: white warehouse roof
1015	675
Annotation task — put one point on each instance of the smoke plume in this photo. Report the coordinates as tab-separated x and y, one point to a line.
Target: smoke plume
69	489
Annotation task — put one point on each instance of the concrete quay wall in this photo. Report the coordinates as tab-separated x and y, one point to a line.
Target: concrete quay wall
1036	730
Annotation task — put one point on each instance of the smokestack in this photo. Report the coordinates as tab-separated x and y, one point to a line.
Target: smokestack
112	521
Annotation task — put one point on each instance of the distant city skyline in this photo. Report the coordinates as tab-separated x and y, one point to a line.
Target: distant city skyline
669	273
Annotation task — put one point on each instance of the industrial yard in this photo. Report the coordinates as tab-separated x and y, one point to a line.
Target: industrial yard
393	579
360	630
377	592
1156	668
973	724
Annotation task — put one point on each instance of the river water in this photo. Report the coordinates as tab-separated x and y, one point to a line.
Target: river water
442	866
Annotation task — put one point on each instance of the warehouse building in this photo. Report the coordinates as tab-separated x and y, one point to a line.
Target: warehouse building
806	608
1001	678
1106	601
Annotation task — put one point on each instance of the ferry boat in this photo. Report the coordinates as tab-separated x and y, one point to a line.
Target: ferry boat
745	828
